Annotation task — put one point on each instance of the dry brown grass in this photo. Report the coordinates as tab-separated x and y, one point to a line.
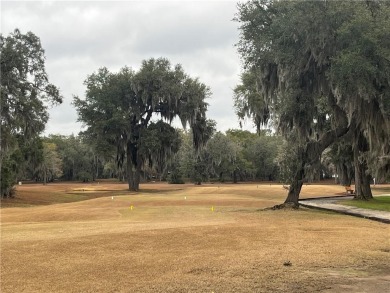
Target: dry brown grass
171	241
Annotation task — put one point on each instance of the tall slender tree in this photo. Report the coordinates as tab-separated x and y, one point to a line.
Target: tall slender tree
50	167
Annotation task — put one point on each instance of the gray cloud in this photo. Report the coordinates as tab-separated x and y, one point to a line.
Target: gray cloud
195	26
80	37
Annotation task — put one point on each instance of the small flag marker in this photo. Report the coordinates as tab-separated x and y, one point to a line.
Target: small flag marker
185	197
212	209
112	197
131	207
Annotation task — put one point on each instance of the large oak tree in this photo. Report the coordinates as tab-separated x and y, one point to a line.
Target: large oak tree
320	71
118	107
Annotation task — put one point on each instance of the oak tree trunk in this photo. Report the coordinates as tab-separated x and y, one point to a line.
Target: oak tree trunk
362	180
44	176
235	176
295	187
133	177
133	167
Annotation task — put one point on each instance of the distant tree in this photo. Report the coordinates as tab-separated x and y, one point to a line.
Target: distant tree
50	167
118	107
100	152
244	167
262	152
223	154
25	92
341	157
192	163
244	137
185	157
235	156
256	153
110	170
80	160
202	158
175	175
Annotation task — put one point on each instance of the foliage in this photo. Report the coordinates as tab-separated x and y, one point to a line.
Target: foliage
80	160
84	176
257	153
192	163
248	101
50	167
184	160
158	145
25	92
262	152
235	156
223	153
175	176
340	156
245	168
7	179
22	160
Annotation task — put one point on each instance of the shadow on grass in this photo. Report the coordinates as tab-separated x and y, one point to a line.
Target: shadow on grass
153	191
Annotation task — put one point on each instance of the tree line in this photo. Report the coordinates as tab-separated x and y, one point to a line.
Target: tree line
236	156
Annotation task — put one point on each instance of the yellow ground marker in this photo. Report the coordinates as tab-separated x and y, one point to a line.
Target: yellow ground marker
131	208
212	209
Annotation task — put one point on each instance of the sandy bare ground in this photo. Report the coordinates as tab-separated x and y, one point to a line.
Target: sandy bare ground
185	238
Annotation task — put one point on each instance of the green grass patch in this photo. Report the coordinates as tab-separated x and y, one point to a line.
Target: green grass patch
380	203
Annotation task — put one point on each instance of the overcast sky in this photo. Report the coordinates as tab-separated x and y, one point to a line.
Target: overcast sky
81	36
